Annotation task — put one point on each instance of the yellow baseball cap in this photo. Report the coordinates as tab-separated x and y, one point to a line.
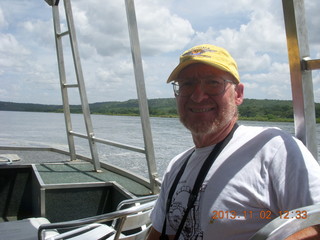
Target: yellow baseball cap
208	54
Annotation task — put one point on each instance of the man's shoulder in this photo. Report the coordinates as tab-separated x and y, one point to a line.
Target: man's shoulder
176	163
262	132
270	139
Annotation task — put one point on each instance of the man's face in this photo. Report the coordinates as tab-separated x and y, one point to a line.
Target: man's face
202	113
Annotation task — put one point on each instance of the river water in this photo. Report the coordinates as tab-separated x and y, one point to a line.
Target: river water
48	129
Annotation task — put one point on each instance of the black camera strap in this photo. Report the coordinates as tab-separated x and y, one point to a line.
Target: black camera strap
197	185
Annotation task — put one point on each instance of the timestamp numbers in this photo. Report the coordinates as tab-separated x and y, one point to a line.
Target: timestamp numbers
293	214
263	214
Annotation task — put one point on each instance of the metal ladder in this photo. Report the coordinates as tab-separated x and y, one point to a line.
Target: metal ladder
80	81
148	149
301	66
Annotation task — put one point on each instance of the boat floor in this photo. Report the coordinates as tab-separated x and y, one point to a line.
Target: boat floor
56	168
82	172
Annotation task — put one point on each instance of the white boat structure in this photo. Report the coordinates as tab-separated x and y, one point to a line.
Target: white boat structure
69	196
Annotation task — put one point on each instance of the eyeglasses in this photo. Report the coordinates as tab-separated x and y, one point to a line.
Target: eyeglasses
212	86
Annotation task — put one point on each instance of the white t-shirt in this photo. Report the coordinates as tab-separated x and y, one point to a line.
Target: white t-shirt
261	172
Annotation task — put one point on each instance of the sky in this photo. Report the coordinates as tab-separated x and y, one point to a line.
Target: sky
252	31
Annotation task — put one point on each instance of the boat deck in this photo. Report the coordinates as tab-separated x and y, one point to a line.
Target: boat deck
54	167
45	183
82	172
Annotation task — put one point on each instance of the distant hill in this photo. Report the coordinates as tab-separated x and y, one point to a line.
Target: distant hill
28	107
251	109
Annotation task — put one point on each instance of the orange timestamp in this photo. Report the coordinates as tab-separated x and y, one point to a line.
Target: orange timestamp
262	214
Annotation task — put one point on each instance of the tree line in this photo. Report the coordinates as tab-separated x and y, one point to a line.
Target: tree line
251	109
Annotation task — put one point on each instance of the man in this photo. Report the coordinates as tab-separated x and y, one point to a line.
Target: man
252	175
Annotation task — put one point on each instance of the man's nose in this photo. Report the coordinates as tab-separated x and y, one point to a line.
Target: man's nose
199	93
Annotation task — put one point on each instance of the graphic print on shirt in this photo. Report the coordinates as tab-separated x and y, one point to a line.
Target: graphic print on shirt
178	206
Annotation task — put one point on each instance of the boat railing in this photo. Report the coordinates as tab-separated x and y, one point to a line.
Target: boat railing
148	149
134	219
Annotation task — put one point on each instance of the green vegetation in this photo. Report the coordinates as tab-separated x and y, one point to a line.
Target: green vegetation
266	110
251	109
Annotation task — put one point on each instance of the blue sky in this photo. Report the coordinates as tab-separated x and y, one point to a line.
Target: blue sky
253	32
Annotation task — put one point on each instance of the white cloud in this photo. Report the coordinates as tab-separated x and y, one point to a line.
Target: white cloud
316	82
317	95
251	30
101	27
3	21
105	27
272	84
313	19
12	53
160	30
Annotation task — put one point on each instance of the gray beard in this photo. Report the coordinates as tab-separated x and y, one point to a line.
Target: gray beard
211	127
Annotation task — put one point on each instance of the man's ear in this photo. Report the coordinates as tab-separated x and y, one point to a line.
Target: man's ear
239	94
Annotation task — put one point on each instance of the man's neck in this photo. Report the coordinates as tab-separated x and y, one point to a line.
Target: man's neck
212	138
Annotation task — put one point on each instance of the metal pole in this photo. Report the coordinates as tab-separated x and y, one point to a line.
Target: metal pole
141	91
301	78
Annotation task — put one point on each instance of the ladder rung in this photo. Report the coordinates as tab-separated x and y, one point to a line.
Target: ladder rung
309	64
62	34
78	134
70	85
